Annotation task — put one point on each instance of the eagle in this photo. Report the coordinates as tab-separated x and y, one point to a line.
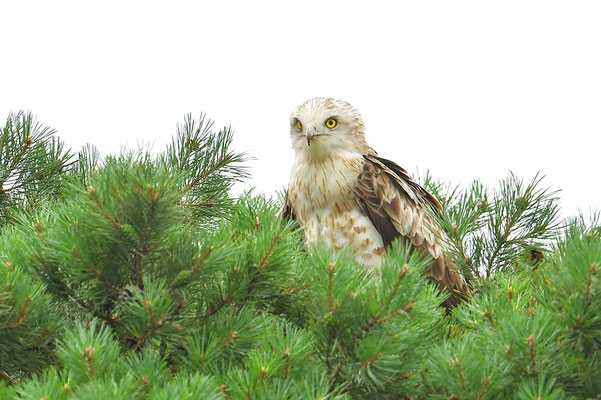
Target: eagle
342	193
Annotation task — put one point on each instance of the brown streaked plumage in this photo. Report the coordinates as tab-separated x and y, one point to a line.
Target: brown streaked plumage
343	193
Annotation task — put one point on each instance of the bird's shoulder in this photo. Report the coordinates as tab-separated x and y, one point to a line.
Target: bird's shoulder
395	175
397	205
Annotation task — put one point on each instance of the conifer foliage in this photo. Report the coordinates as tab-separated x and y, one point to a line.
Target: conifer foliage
138	276
33	164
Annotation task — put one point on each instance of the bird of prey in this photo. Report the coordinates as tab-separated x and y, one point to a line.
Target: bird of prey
341	192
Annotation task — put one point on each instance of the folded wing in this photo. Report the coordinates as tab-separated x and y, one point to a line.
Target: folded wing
398	208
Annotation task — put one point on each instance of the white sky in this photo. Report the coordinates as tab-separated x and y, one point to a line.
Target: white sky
467	89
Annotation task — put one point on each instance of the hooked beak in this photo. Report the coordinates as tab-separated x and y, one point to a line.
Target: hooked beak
311	132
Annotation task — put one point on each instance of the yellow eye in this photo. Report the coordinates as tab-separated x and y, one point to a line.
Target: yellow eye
331	123
299	125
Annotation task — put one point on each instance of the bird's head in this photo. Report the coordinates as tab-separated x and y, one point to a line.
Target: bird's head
322	126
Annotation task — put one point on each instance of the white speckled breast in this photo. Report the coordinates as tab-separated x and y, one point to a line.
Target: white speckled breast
321	195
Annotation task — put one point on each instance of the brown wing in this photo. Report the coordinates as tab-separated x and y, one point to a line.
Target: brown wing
397	206
288	212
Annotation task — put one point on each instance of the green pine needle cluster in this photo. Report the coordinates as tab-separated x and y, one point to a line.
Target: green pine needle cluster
494	231
32	161
138	276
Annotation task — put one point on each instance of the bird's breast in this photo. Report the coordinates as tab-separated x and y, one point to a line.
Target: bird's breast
323	185
322	197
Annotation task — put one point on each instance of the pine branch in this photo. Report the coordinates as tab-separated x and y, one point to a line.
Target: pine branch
33	165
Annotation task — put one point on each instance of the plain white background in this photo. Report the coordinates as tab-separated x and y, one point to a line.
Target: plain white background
466	89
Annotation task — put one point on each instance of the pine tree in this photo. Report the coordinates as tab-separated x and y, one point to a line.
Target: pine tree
138	276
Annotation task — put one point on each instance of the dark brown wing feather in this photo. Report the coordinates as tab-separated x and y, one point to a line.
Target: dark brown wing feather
397	206
402	173
288	212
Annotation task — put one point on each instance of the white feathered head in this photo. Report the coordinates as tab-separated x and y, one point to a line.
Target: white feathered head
324	126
